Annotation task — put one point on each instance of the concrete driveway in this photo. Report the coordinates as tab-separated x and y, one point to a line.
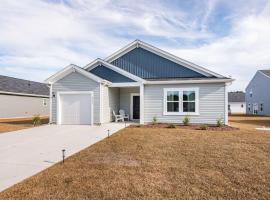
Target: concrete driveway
26	152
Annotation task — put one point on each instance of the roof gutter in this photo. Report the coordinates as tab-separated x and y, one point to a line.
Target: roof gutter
24	94
190	81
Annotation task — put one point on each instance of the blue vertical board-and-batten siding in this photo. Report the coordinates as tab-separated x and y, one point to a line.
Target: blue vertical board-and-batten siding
110	75
148	65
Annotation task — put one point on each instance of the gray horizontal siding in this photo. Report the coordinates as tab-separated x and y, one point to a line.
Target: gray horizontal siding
76	82
211	103
148	65
260	94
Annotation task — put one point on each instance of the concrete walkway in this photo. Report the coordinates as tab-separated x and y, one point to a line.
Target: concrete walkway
26	152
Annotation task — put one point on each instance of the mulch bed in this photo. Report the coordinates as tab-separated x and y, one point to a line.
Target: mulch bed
181	126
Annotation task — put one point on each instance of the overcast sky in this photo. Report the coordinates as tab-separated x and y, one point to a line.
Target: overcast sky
38	38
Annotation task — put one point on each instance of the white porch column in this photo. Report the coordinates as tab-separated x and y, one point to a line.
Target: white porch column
141	104
226	121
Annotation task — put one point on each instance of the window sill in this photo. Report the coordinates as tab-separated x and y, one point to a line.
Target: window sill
181	114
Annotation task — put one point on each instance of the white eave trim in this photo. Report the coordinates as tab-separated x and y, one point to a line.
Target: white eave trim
190	81
73	68
264	74
24	94
164	54
98	61
129	84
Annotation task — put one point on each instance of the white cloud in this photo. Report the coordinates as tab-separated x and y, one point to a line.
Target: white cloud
239	54
38	38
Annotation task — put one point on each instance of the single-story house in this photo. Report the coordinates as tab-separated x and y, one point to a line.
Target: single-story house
22	98
145	82
237	102
258	94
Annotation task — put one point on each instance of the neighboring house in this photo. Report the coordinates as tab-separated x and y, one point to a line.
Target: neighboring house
144	81
258	94
22	98
237	102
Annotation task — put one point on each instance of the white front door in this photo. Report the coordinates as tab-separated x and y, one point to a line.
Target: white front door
75	108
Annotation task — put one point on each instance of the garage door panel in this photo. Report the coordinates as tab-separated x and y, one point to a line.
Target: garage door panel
76	108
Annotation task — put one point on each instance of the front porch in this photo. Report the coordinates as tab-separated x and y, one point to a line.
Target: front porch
129	99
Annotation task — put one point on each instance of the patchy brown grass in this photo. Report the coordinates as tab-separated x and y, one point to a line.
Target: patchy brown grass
143	163
250	122
14	124
4	127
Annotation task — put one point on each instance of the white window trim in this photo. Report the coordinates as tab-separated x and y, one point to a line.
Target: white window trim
44	102
180	90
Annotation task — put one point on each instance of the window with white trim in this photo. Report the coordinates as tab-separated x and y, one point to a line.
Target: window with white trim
44	102
189	101
181	101
173	102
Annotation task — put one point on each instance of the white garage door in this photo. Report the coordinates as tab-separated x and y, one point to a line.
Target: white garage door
75	108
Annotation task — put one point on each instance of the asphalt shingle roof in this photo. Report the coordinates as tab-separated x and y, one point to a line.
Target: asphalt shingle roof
15	85
236	97
266	72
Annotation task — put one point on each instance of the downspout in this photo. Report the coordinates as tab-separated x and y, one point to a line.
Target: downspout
142	103
50	116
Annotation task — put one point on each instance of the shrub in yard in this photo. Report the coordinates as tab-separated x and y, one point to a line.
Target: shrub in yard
154	120
171	126
204	127
186	120
36	120
219	122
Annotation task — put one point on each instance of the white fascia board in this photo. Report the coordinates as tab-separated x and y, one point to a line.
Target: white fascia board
122	51
190	81
59	73
164	54
264	74
92	64
132	84
24	94
73	68
98	61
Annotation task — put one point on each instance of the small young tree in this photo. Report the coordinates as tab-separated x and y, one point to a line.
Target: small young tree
155	120
36	120
186	120
219	122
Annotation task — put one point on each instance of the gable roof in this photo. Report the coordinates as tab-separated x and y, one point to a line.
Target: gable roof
148	65
236	96
110	75
266	72
187	72
10	85
99	61
73	68
164	54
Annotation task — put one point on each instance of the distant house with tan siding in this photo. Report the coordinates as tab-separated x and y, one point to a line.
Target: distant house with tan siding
22	98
